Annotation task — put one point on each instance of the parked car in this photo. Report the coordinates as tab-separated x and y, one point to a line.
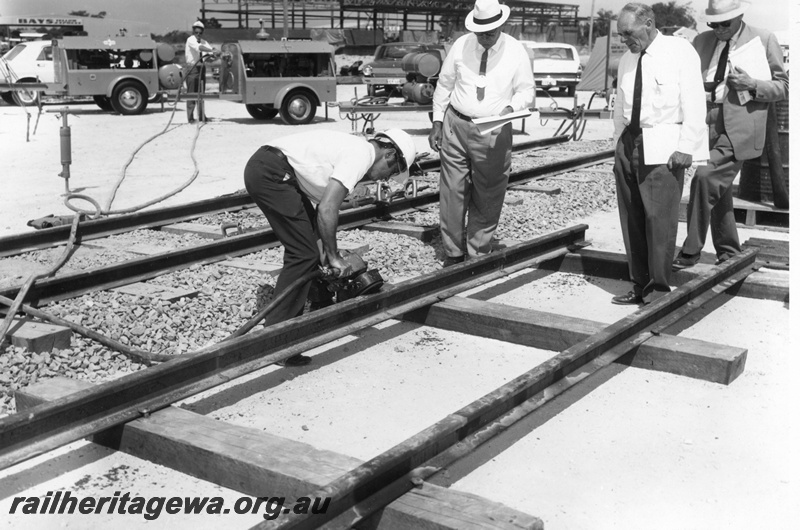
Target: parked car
555	65
384	75
27	62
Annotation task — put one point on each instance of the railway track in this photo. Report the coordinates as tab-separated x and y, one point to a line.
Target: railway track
134	411
74	284
106	226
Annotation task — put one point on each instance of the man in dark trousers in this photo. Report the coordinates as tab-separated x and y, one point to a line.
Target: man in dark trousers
737	117
658	127
299	182
195	74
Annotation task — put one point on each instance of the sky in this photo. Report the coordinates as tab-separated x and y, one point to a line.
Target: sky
167	15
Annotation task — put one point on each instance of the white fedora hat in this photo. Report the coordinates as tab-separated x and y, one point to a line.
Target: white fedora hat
722	10
487	15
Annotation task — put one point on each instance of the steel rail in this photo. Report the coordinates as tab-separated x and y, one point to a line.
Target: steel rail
50	425
515	423
106	226
359	492
74	284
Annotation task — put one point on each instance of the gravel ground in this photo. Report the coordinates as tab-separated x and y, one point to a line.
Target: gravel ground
227	297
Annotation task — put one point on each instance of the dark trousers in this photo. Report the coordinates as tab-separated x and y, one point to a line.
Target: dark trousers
711	196
195	81
271	182
648	198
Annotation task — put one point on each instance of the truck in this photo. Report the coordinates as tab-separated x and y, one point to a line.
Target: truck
290	78
120	73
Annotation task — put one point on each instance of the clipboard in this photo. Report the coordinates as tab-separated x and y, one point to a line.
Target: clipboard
488	124
661	140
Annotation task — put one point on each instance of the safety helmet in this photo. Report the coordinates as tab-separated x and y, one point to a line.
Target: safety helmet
403	143
198	24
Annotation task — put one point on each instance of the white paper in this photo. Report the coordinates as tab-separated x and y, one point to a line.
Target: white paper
751	58
487	125
660	141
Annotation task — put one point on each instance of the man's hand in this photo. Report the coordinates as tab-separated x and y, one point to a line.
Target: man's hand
740	80
435	136
337	262
506	110
679	160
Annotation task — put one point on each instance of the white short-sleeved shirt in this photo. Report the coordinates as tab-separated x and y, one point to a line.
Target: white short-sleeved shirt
194	48
319	156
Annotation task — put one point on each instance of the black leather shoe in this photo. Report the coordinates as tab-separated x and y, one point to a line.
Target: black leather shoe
628	299
452	260
297	360
722	259
683	262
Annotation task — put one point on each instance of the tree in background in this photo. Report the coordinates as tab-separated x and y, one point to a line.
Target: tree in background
173	37
671	14
101	14
602	23
211	23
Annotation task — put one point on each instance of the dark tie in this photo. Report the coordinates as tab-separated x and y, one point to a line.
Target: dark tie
484	57
636	112
719	75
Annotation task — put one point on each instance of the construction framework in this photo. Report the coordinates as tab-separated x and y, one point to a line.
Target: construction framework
407	14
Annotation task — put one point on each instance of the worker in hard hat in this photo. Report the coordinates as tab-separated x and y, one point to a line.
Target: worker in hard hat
195	73
299	182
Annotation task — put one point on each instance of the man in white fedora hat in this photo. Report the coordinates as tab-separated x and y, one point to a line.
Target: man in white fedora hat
486	73
737	118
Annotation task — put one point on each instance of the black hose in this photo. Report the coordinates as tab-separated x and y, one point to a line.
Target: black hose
250	324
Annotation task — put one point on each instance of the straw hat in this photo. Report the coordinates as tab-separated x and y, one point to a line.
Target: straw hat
487	15
722	10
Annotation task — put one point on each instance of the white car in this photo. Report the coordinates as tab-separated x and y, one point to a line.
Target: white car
27	62
555	65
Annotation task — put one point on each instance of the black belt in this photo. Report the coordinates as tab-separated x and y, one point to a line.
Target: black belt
462	116
274	150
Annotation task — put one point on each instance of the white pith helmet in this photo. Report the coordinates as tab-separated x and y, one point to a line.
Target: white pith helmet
198	24
402	142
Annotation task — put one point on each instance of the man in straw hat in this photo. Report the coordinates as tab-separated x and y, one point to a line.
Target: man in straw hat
737	116
487	73
659	107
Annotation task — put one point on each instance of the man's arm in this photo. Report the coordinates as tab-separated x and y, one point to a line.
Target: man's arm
619	105
775	89
445	84
523	88
328	222
693	108
441	98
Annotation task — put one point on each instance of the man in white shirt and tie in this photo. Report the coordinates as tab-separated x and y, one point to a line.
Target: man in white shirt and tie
487	73
658	83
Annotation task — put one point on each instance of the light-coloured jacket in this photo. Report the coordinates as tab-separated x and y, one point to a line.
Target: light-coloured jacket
746	125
